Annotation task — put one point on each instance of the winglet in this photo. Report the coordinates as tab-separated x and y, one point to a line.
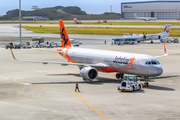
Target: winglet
12	53
165	52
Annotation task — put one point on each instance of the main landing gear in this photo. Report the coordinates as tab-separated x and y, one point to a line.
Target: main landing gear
119	75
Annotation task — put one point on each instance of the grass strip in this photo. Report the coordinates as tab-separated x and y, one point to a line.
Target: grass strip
174	32
101	23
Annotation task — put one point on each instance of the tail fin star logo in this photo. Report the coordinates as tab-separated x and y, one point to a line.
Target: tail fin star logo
167	30
131	60
63	36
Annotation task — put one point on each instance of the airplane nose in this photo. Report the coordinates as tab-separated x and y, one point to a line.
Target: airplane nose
160	71
157	71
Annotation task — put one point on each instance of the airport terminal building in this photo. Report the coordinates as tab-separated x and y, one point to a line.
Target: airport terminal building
162	10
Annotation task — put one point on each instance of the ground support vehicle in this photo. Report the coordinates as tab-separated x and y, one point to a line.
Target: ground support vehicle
27	45
35	44
176	40
129	83
42	45
15	45
51	44
36	41
75	43
10	45
125	40
145	85
166	40
40	39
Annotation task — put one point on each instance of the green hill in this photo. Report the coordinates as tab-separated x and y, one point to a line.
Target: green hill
59	12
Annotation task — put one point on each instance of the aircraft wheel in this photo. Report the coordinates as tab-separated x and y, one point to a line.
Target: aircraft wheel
147	84
132	89
139	87
151	41
118	75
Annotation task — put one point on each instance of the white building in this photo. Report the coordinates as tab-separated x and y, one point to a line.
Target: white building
34	18
159	9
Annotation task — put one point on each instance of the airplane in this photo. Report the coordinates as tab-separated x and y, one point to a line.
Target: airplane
92	61
151	37
144	18
75	21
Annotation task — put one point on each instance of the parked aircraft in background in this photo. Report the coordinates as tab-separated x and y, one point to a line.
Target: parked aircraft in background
151	37
144	18
75	21
90	61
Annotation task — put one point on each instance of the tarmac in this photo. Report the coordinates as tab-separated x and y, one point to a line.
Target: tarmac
36	91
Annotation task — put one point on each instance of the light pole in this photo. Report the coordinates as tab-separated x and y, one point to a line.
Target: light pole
20	21
111	8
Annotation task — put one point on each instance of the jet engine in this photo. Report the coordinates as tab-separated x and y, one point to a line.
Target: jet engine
88	73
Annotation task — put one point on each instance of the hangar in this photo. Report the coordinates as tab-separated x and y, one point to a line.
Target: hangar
163	10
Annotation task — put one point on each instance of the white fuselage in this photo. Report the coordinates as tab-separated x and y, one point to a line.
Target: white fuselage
124	62
146	18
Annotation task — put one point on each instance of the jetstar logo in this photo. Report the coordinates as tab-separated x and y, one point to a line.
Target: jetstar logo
131	61
64	40
167	30
124	60
121	60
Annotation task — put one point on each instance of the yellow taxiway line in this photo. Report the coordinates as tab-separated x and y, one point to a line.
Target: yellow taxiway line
89	105
62	90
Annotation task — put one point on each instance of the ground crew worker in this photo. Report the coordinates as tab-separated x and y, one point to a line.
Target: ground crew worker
77	87
105	42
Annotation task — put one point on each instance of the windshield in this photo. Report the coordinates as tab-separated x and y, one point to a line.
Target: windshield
153	62
130	78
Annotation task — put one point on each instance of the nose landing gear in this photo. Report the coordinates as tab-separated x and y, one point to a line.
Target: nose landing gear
146	84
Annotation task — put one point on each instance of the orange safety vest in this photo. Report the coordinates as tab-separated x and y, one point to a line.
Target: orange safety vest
76	85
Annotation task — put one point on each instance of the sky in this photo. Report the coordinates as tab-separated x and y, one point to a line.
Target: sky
89	6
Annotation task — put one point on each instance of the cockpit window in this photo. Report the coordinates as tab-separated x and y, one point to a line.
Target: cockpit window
152	62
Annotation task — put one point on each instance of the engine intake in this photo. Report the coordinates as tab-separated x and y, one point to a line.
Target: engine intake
88	73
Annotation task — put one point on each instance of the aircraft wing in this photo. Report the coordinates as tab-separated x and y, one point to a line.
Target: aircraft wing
165	53
99	66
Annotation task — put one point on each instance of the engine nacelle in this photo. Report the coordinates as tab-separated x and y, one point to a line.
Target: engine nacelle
88	73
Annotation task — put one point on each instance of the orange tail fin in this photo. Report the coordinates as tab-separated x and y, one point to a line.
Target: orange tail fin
65	42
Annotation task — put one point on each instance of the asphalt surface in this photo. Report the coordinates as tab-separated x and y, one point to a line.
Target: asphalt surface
36	91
